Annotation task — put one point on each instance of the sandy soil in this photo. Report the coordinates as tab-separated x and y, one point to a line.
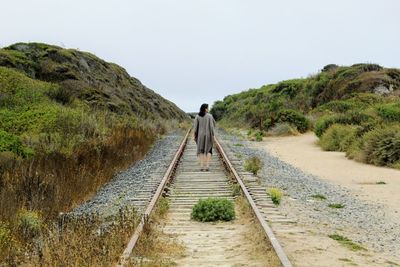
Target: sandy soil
302	152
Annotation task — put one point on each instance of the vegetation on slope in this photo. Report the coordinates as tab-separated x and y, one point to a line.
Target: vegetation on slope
68	122
354	109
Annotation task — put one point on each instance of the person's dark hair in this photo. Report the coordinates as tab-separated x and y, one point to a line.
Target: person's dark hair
203	110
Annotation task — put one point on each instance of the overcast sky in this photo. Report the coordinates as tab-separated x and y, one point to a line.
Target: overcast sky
200	51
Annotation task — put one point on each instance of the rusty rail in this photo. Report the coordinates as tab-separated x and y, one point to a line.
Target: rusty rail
268	231
146	215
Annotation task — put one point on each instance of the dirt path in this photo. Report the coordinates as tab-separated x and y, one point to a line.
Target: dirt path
302	152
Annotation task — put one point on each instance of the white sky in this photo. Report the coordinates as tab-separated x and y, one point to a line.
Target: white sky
200	51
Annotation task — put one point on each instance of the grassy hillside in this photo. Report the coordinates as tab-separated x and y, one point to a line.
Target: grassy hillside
84	76
354	109
68	122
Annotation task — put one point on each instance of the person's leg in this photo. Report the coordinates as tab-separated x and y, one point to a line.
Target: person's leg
202	159
208	159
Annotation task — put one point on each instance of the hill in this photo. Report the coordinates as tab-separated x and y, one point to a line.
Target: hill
89	78
352	108
68	122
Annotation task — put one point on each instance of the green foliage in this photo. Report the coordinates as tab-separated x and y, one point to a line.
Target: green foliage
336	206
29	223
275	194
351	117
338	137
390	112
380	182
10	142
338	106
343	96
259	136
295	118
61	94
346	242
218	110
381	146
253	165
213	209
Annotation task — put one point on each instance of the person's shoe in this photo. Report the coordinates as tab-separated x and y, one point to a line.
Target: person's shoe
207	169
202	170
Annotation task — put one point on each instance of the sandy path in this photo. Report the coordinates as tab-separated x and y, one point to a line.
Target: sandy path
302	152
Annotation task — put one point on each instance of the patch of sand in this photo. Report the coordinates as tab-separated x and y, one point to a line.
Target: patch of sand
313	247
302	152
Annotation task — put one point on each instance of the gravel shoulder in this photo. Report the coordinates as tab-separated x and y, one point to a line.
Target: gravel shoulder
364	221
133	187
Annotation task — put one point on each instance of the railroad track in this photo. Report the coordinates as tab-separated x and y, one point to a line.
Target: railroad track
207	244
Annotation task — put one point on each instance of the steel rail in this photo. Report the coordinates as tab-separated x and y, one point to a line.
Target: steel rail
146	215
268	231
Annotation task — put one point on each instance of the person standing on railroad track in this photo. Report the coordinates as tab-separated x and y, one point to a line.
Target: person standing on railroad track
204	126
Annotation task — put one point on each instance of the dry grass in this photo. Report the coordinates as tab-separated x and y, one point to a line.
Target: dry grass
74	242
156	248
53	183
262	246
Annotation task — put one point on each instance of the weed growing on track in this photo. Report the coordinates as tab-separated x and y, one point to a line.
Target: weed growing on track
213	209
162	207
253	165
156	247
347	242
336	206
275	194
380	182
236	190
319	197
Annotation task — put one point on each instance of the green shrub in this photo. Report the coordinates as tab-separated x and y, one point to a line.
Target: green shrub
338	106
218	110
338	137
283	129
275	194
213	209
389	112
295	118
351	117
61	94
259	136
10	142
253	165
29	223
381	146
